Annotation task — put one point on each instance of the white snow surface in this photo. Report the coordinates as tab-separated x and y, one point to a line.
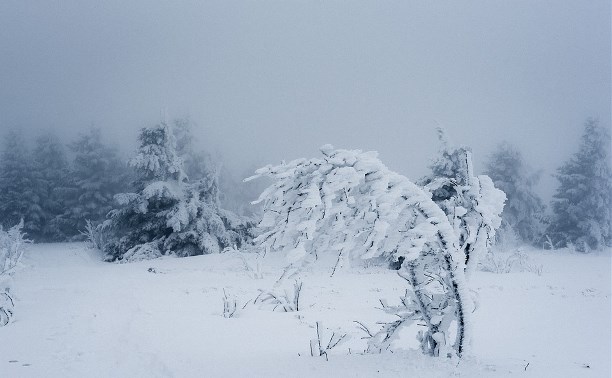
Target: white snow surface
77	316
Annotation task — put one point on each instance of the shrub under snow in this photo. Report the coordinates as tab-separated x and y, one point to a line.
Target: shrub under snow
12	246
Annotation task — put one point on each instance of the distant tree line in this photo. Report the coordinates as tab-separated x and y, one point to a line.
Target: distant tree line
61	190
580	212
53	194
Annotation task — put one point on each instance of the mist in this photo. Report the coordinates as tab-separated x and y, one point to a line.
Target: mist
267	81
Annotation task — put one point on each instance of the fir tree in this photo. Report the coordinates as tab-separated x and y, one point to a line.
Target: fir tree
17	197
98	175
524	209
232	194
166	213
582	202
54	189
197	163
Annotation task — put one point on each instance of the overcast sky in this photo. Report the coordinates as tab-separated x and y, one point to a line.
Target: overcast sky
272	80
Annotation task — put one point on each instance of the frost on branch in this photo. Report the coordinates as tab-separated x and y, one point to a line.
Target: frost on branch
348	203
471	203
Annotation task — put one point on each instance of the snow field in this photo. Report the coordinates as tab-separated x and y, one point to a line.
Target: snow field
77	316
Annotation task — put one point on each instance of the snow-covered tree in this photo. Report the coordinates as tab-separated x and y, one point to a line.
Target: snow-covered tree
17	198
197	163
98	174
583	201
53	188
471	203
166	213
524	209
349	204
200	165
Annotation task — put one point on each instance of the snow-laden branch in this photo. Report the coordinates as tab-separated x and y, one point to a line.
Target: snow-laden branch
471	203
349	203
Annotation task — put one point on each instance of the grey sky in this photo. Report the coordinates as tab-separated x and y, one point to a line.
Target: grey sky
272	80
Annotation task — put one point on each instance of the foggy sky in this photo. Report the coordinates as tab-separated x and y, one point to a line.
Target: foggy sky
272	80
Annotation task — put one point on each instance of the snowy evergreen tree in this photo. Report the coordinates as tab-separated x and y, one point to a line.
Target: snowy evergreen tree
17	197
197	163
352	206
471	203
582	203
54	190
166	213
233	194
524	209
98	174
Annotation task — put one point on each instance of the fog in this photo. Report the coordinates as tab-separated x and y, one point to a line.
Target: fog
272	80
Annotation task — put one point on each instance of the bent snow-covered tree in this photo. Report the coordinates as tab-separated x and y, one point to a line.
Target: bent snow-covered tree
349	203
167	213
471	203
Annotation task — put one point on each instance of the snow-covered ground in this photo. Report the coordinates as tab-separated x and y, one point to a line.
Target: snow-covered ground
77	316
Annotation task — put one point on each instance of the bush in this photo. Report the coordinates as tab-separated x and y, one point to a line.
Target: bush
12	246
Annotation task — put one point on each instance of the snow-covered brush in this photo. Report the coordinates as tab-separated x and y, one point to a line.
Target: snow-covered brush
288	301
381	340
7	306
501	263
549	244
94	235
12	247
406	314
497	263
253	268
229	305
325	342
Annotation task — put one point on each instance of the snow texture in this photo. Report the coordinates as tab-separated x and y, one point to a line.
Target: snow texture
80	317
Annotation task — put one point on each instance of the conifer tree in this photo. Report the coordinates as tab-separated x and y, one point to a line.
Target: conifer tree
583	200
524	209
232	193
197	163
98	174
17	197
166	213
53	188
